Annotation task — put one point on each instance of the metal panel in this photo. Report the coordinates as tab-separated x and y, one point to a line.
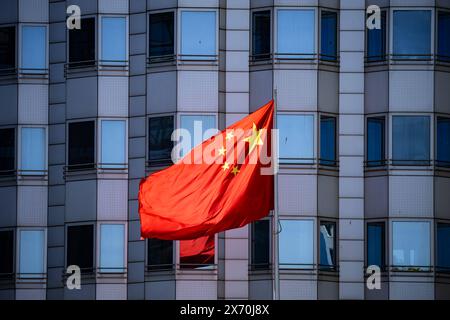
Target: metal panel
115	291
8	111
328	91
261	88
298	290
196	290
81	200
161	82
33	104
8	216
411	90
410	196
327	196
297	89
441	197
112	202
81	105
297	194
33	10
32	206
113	96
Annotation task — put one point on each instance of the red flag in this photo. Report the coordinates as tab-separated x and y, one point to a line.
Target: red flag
198	197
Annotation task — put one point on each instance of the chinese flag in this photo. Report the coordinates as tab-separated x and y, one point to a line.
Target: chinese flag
224	183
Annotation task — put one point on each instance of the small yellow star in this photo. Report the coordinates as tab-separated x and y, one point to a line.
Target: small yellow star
235	171
222	151
230	135
226	166
255	139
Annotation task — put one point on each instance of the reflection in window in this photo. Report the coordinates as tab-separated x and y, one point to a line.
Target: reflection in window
199	127
296	244
411	245
160	139
376	41
443	247
198	35
113	144
31	253
33	151
328	37
443	142
82	44
296	138
80	247
34	49
444	36
328	141
7	151
114	40
6	253
260	244
261	35
295	34
112	248
375	142
159	254
376	244
327	246
161	34
411	140
81	145
412	34
7	49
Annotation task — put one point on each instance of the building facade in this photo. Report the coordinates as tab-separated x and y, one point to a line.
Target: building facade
364	119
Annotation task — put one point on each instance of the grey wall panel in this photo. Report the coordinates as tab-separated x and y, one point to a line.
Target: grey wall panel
56	215
55	258
136	272
7	294
32	206
137	107
33	10
411	196
113	96
138	44
57	134
261	88
138	23
376	197
138	63
30	294
133	209
441	197
297	89
8	211
57	113
56	236
411	290
8	111
33	104
9	12
57	93
81	200
137	128
160	290
111	291
56	195
81	105
197	91
136	147
297	194
327	290
328	92
442	93
57	31
137	6
113	6
137	86
155	4
442	291
260	290
112	202
327	196
382	294
57	52
57	11
87	292
136	291
89	6
161	82
298	290
236	290
136	251
196	290
411	91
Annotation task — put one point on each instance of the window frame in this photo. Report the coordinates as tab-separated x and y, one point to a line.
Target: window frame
19	275
14	253
175	118
384	245
94	242
385	144
13	171
251	236
79	64
328	162
156	59
97	242
253	57
335	59
22	172
328	268
99	31
160	267
99	142
74	168
19	62
386	39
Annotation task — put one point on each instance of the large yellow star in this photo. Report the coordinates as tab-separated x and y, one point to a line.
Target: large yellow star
255	139
226	166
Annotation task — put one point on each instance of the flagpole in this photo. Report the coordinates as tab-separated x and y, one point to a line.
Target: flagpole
276	269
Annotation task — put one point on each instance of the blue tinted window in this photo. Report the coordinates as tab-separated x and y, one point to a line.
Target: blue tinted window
112	247
33	150
411	244
375	141
444	35
200	129
261	244
160	142
376	41
443	247
327	245
296	138
34	48
411	140
261	34
412	34
31	253
328	39
443	142
114	40
328	141
198	34
113	143
296	244
375	244
295	33
161	34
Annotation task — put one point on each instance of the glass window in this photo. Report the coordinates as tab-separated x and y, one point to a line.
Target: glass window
296	244
7	49
82	44
327	245
261	35
328	38
443	142
33	151
32	253
411	245
112	248
159	254
376	244
198	253
295	33
6	253
375	142
444	36
161	34
114	40
200	128
376	41
81	145
260	244
296	138
198	34
328	141
114	137
80	247
443	247
7	151
160	139
34	48
412	34
411	140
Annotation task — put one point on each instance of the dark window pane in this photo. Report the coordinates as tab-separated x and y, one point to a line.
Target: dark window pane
81	145
7	48
328	40
443	247
444	36
6	253
376	41
159	254
7	151
80	247
160	139
261	244
198	253
327	245
411	140
375	244
161	34
82	44
328	141
375	141
412	34
443	142
261	35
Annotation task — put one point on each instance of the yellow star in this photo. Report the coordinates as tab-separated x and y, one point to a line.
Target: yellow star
235	171
230	135
255	139
226	166
222	151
